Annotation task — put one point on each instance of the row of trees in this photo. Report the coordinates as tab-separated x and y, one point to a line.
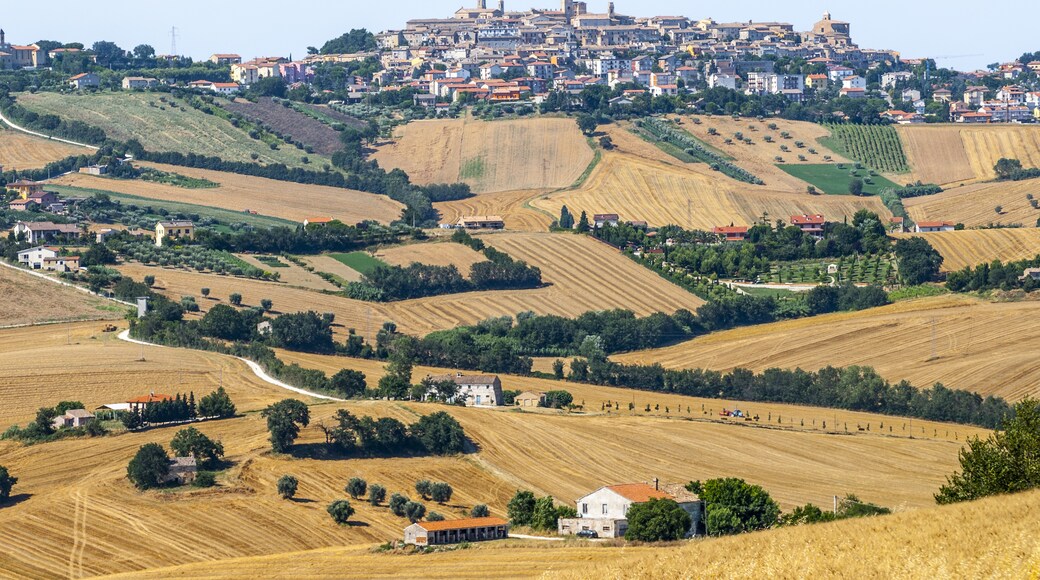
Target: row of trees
216	405
995	276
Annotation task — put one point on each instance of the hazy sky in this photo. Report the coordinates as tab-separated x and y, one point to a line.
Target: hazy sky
268	27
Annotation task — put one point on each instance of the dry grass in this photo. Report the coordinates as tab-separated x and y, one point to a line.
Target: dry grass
512	206
291	201
975	205
291	274
19	151
639	188
77	515
978	346
432	254
948	154
326	263
973	247
539	153
30	300
582	274
936	153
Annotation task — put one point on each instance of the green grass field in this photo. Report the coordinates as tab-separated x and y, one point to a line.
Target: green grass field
829	179
160	126
221	215
363	262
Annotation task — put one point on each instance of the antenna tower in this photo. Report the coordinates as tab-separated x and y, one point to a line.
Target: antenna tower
173	41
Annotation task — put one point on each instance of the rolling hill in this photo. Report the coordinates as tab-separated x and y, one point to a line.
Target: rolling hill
962	342
964	248
974	205
31	300
946	154
20	151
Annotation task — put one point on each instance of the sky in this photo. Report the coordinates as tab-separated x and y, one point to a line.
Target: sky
269	27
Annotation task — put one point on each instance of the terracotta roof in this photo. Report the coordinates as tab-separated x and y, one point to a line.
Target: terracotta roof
153	398
462	524
807	220
638	492
934	224
731	230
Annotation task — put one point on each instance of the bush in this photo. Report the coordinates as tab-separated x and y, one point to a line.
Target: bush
658	520
439	433
376	494
340	510
356	487
521	508
479	511
397	503
204	479
434	517
734	506
558	399
287	486
7	482
414	511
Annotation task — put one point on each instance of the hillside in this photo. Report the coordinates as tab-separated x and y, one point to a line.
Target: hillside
30	300
141	116
978	346
951	153
639	188
287	121
292	201
950	541
973	247
444	253
581	275
975	205
511	206
19	151
541	153
115	528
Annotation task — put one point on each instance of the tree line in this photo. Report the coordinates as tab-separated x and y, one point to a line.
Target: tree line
995	276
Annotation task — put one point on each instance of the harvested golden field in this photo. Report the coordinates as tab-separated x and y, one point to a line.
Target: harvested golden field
30	300
96	368
537	153
951	153
292	201
943	542
587	281
973	247
978	346
291	274
936	153
19	151
975	205
76	515
444	253
661	194
760	157
326	263
511	206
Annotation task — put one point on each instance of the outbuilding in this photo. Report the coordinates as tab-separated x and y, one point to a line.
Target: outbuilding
455	531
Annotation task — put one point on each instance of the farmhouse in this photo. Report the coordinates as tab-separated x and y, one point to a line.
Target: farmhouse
36	232
182	471
488	222
529	399
809	224
1033	273
141	403
453	532
84	80
132	83
73	418
602	220
478	390
173	230
25	188
605	511
732	233
20	204
61	264
925	227
318	221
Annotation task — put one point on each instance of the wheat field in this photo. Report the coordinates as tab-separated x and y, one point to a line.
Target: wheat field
978	346
944	542
581	275
432	254
946	154
964	248
539	153
75	515
19	151
292	201
975	205
659	193
30	300
511	206
291	274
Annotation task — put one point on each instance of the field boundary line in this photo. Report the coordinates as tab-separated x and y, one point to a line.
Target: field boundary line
67	284
48	137
256	368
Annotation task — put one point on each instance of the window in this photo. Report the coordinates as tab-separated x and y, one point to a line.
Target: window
604	508
584	508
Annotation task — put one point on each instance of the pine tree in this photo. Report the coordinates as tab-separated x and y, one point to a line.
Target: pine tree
566	219
583	222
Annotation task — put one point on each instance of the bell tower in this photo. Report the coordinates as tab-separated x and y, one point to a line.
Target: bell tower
568	8
3	37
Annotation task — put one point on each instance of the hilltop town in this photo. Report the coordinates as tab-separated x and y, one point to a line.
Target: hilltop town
541	293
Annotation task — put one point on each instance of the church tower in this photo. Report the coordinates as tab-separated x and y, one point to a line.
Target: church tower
568	8
3	37
482	4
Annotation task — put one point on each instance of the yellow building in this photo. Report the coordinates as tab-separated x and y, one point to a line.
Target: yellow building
174	230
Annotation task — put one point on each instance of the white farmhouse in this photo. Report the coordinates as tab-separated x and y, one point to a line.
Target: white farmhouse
34	257
605	511
476	390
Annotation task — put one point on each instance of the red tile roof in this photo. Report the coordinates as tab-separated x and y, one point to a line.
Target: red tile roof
731	230
153	398
934	224
462	524
638	492
799	220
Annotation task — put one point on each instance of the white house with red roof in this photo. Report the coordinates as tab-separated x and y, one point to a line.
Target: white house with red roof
731	233
926	227
605	511
809	224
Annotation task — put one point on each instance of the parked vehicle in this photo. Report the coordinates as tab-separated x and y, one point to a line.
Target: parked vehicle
588	534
